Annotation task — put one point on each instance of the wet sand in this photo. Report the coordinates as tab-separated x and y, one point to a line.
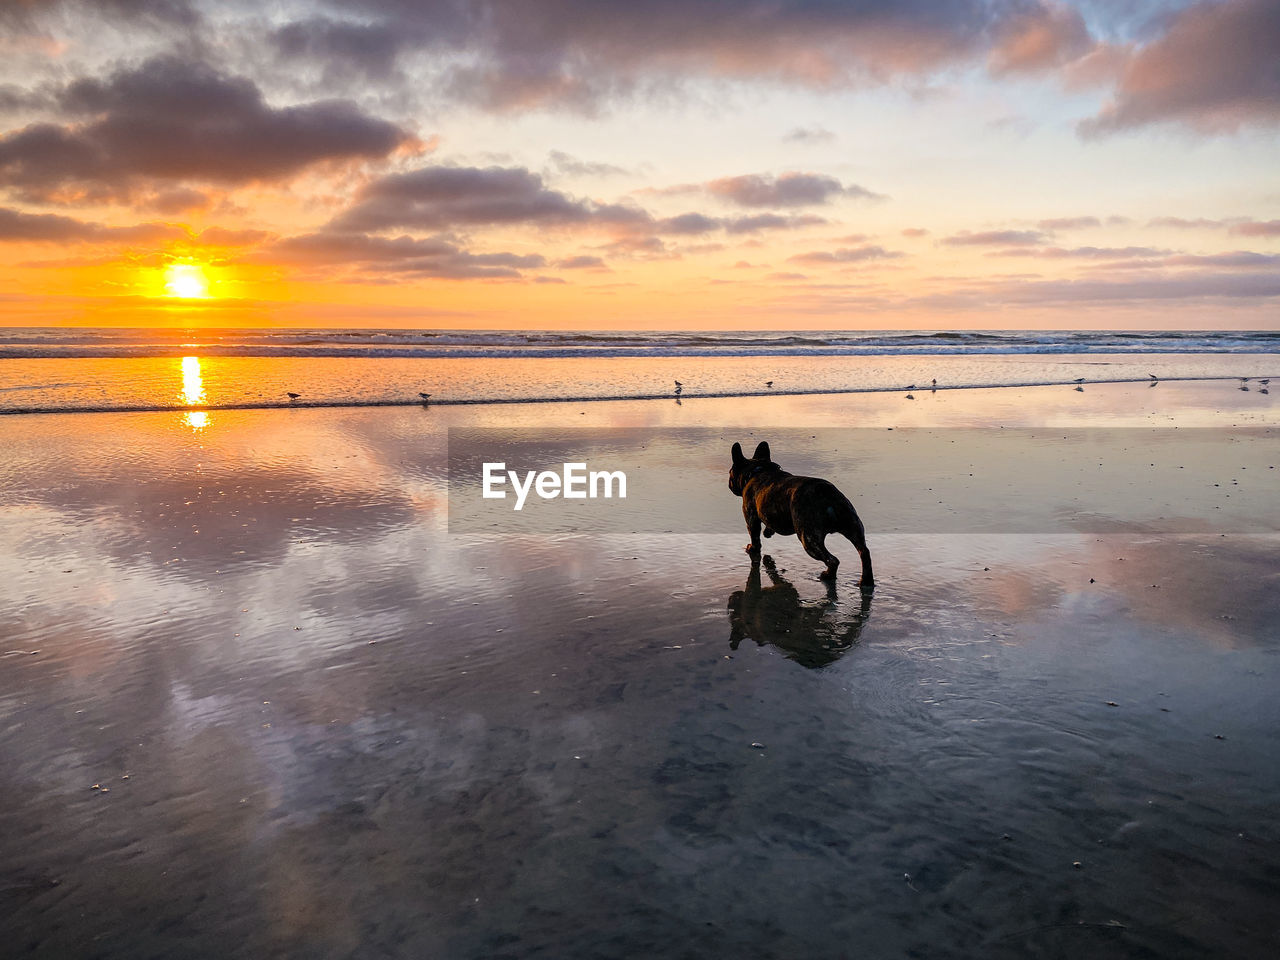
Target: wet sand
257	701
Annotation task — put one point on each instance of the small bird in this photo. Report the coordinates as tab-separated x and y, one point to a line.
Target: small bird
768	383
1078	380
934	383
911	396
911	386
1153	376
293	397
1265	382
1079	389
426	397
679	388
1266	391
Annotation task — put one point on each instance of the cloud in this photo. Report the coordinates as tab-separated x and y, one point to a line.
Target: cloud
424	257
1087	253
578	53
995	237
787	190
1253	228
439	198
343	46
771	221
582	262
1039	37
171	120
571	166
1214	68
809	135
1246	259
16	225
915	232
688	223
1069	223
442	198
845	255
1184	224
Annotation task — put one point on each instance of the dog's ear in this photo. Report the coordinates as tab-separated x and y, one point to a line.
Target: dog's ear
737	453
762	453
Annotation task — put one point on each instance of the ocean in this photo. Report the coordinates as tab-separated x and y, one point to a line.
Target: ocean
51	370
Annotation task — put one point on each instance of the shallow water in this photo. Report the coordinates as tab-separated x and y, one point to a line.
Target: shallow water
348	732
115	383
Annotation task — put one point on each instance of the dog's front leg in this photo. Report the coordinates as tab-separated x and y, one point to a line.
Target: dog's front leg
753	528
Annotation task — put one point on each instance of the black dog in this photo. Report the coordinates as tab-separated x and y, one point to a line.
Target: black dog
805	506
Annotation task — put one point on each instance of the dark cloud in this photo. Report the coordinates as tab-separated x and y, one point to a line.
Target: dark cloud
787	190
1213	68
995	237
845	255
370	49
1069	223
575	53
688	223
440	198
168	119
424	257
452	198
16	225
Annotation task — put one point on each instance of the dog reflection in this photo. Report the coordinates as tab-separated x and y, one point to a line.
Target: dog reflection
812	634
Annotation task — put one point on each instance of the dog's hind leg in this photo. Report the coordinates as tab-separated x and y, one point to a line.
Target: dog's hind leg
858	537
815	546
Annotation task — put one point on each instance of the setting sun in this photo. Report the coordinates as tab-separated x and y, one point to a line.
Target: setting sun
185	280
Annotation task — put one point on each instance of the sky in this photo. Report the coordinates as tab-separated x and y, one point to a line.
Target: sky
670	164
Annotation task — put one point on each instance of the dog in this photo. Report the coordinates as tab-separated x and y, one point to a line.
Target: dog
810	508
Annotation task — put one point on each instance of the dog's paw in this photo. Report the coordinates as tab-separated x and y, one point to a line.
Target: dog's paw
768	532
827	574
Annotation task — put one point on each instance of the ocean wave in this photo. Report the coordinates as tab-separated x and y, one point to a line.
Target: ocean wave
38	343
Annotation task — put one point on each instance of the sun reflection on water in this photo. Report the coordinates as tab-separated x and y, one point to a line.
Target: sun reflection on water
193	393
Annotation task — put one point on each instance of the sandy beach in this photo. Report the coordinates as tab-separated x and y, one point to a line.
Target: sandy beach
259	700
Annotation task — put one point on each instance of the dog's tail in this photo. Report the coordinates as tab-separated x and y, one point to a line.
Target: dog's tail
851	528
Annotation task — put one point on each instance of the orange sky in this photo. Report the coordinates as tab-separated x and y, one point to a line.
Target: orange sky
649	165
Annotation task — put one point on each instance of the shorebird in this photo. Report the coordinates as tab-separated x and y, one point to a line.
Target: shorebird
426	397
934	383
293	397
679	388
911	386
1153	376
769	383
1078	380
1265	382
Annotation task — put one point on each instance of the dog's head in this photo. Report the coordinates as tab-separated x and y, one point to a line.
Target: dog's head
743	469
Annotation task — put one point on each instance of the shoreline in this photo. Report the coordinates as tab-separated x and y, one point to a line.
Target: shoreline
507	401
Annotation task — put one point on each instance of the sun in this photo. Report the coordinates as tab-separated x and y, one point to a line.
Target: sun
186	280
